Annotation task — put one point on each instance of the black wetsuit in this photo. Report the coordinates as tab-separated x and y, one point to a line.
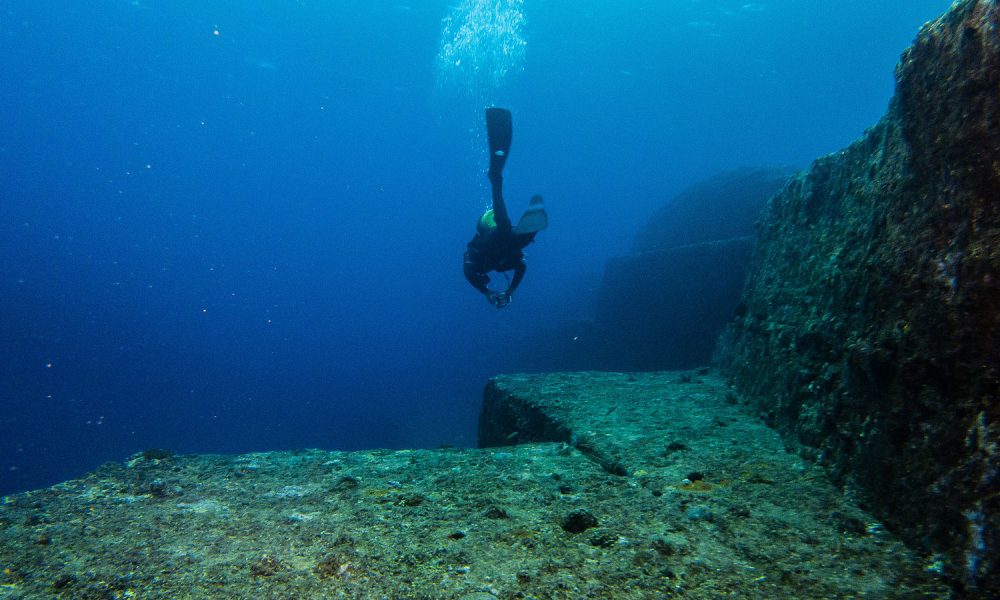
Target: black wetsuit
498	249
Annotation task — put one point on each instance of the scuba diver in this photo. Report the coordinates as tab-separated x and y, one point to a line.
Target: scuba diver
498	245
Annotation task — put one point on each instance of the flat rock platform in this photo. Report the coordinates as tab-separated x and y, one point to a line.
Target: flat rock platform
594	485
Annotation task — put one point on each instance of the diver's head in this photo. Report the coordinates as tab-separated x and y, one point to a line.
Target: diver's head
487	222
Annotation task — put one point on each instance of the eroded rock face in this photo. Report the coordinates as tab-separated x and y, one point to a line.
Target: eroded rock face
871	316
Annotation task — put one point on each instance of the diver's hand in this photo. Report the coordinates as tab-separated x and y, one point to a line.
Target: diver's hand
499	299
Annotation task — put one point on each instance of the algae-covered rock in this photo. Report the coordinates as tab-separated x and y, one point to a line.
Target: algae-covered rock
869	325
551	519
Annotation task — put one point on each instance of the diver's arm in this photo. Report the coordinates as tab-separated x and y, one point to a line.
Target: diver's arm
499	206
476	278
519	271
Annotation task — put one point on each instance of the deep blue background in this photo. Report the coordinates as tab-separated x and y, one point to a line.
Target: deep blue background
252	240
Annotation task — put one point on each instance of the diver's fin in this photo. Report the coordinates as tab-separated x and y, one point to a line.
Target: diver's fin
499	130
534	219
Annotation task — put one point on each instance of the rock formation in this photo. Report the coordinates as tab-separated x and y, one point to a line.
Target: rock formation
664	305
607	486
869	325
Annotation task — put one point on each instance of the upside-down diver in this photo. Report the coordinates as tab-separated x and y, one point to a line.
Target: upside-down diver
498	244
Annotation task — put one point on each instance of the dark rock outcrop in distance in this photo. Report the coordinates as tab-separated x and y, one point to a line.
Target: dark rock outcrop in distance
664	305
872	312
723	207
666	309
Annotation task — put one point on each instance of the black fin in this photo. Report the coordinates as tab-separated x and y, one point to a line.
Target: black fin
499	130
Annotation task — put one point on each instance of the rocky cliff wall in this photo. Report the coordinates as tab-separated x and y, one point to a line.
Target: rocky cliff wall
869	324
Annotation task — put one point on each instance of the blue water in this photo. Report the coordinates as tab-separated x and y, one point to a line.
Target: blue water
237	226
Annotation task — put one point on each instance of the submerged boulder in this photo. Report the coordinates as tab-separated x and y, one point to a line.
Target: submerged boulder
871	315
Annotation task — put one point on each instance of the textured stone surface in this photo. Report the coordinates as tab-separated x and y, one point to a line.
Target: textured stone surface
698	501
682	431
869	327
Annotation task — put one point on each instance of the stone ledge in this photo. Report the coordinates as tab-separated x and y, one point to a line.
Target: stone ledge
710	505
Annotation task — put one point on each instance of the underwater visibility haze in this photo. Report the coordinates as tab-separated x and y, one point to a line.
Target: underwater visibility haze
238	226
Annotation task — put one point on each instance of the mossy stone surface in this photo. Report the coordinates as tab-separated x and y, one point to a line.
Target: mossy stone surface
611	512
870	325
